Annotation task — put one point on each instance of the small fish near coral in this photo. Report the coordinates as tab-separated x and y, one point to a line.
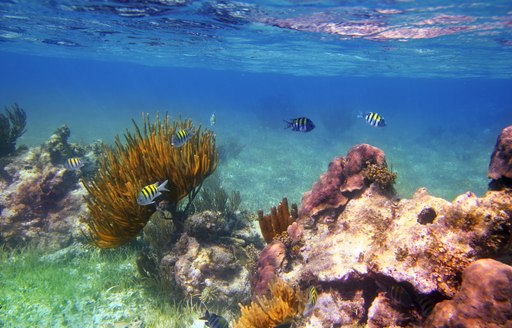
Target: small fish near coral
397	294
181	137
149	193
73	164
214	321
300	124
374	119
312	298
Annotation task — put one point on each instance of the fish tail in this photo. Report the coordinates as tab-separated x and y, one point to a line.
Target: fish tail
288	124
161	187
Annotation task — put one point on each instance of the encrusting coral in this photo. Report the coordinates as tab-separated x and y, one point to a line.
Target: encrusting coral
12	126
282	305
148	157
275	223
379	174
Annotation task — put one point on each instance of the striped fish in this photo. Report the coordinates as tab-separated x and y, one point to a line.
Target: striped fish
426	305
148	194
300	124
312	298
73	164
181	137
375	119
214	321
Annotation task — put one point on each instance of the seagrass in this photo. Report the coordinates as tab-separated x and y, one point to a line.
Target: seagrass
146	157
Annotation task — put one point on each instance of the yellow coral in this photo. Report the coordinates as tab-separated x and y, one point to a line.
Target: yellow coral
282	305
148	157
379	174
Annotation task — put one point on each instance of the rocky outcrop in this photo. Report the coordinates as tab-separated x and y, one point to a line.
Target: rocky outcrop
500	168
482	301
211	262
386	261
40	201
343	180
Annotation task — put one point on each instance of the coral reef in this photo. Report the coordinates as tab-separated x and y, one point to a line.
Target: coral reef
148	156
282	305
482	301
40	201
343	180
216	264
381	260
270	260
500	167
12	126
379	174
275	223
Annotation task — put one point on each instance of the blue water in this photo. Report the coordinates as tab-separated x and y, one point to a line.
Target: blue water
438	71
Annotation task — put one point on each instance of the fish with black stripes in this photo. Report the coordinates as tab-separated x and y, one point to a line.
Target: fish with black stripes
180	137
73	164
426	305
396	293
312	298
149	193
214	321
374	119
300	124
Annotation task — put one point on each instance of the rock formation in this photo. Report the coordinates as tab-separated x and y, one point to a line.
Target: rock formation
385	261
482	301
40	201
500	168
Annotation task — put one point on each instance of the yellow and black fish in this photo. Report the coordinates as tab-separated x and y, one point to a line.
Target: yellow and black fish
214	321
300	124
181	137
375	119
312	298
148	194
73	164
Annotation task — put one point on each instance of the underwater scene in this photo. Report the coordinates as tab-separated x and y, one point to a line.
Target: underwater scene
255	164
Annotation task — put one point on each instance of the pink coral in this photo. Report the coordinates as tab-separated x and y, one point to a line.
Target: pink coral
482	301
270	259
342	180
500	166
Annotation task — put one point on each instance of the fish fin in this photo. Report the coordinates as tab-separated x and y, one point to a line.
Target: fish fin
360	115
161	187
288	124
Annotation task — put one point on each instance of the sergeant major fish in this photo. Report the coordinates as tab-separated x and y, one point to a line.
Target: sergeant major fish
374	119
214	321
312	298
181	137
148	194
300	124
396	293
73	164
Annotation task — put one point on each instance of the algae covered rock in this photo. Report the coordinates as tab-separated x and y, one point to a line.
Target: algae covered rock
206	225
40	203
500	167
214	273
399	256
482	301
